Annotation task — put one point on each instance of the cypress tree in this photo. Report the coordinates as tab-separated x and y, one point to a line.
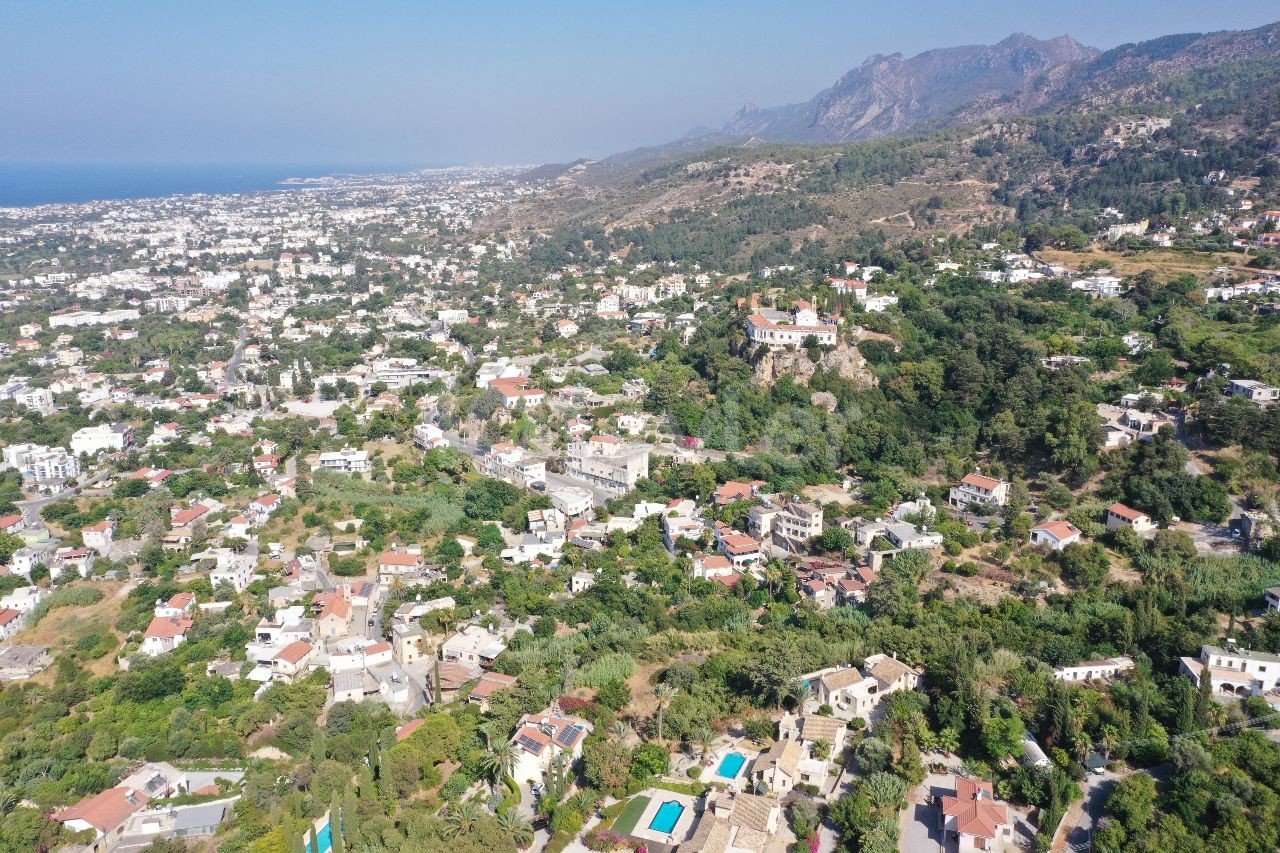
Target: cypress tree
350	816
1204	698
315	840
1185	718
335	825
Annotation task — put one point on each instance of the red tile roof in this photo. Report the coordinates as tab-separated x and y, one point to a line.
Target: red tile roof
491	682
981	482
1125	512
1059	529
409	728
105	811
975	809
187	516
294	652
168	627
739	543
399	558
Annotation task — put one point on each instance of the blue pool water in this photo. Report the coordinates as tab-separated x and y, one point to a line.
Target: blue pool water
667	816
730	765
324	838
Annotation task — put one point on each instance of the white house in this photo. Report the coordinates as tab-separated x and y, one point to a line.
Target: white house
164	634
429	436
11	622
263	506
541	738
399	564
1237	672
1253	390
344	461
776	332
292	661
1094	670
853	692
1273	598
1119	515
977	489
1055	534
101	536
475	646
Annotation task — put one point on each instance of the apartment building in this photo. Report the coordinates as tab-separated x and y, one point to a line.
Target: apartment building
95	439
345	461
607	462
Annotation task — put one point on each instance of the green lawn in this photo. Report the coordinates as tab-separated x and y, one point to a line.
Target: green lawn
627	820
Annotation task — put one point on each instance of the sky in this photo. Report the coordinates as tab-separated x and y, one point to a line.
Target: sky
397	82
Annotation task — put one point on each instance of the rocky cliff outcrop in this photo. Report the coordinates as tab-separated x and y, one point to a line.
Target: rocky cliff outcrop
844	360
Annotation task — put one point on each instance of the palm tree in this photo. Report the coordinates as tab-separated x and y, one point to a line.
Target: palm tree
949	740
773	576
462	818
802	693
664	693
1081	746
1110	740
704	737
516	827
926	739
500	763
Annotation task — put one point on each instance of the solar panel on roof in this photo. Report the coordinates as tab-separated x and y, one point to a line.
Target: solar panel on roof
530	744
568	735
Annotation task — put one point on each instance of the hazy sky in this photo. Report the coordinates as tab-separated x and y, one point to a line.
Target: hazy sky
370	82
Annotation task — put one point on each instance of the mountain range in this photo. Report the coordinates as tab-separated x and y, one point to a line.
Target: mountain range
948	87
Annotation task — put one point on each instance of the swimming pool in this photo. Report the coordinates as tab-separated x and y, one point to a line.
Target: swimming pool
667	817
324	838
731	765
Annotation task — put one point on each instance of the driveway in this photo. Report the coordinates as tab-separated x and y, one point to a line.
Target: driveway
1083	817
918	826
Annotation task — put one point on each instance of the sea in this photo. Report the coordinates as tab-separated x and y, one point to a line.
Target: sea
25	185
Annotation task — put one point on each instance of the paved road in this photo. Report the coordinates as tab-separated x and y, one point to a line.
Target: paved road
32	507
233	365
1082	818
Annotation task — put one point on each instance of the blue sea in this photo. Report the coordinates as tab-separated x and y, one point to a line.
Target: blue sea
23	185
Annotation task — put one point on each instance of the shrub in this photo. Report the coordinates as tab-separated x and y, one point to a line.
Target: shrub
604	840
694	772
649	759
71	596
